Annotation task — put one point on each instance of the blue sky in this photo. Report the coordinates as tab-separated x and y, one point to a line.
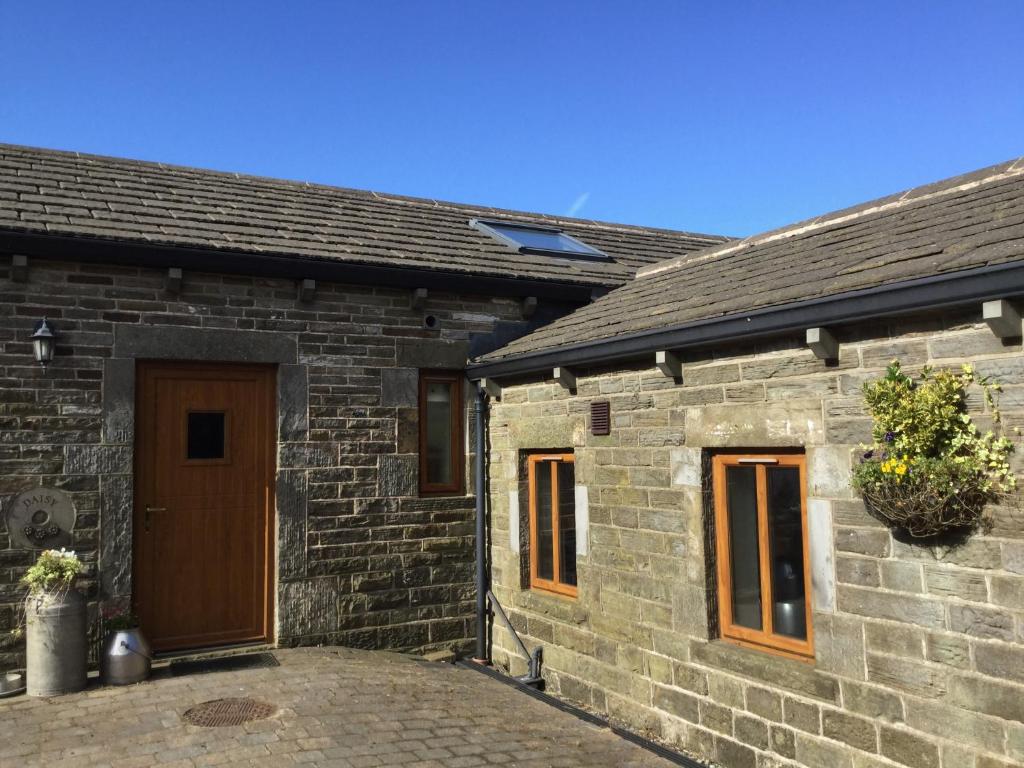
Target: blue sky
725	117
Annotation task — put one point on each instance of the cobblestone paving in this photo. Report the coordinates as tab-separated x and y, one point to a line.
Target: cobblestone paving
337	707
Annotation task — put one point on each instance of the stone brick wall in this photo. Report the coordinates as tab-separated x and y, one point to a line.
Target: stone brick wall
363	560
919	650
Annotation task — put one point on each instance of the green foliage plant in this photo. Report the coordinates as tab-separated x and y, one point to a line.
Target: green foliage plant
931	469
53	573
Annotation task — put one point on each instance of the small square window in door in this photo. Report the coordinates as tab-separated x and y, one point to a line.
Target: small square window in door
206	438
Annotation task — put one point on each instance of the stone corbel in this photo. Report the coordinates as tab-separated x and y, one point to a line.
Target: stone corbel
1002	318
529	307
491	387
669	364
307	290
19	268
823	344
174	279
565	377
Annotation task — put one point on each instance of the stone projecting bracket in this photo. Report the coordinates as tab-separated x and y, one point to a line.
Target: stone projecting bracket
19	268
307	290
823	344
669	364
491	387
1002	318
174	279
565	377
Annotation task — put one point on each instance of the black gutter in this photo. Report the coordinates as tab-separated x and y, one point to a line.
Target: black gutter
480	412
930	293
588	717
101	251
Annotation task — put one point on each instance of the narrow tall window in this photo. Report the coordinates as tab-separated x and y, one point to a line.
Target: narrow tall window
553	523
761	532
441	451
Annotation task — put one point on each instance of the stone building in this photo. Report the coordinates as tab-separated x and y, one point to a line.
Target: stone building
255	430
252	427
659	455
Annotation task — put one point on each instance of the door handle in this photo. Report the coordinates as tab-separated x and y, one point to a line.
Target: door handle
151	509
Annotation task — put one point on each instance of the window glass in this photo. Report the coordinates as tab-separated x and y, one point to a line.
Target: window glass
206	432
743	541
545	523
439	432
761	551
567	522
786	543
545	240
441	448
553	523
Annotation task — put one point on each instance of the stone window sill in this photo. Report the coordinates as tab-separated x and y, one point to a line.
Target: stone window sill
551	604
772	671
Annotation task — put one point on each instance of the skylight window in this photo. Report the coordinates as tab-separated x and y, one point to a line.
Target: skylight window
547	241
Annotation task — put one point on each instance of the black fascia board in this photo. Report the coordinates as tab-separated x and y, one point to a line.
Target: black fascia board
892	300
102	251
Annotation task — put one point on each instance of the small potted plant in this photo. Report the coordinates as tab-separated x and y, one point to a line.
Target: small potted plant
931	471
55	625
126	656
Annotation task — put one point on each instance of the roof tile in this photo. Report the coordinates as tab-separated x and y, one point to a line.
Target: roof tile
134	201
966	222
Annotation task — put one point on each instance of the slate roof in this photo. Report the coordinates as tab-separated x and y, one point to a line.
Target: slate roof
51	192
965	222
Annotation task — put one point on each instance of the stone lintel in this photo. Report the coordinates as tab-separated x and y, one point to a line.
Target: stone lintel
431	353
214	344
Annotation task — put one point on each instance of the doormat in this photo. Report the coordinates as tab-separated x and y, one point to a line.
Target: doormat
224	664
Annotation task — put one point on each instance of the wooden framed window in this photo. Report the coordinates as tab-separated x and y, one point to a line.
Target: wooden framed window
442	458
552	482
764	581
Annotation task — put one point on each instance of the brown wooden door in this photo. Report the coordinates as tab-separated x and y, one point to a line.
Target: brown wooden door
204	454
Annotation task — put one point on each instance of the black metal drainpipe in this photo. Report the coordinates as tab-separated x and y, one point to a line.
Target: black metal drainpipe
480	412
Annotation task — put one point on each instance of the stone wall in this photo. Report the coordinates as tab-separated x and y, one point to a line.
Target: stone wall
919	650
363	560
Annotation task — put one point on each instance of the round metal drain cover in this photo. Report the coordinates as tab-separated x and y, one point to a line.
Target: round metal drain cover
220	712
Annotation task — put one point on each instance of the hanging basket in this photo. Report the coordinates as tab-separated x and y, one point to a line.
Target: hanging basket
922	510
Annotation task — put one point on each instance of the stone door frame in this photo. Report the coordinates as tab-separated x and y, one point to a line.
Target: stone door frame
114	459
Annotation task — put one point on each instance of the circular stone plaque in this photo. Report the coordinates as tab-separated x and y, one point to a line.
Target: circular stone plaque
42	518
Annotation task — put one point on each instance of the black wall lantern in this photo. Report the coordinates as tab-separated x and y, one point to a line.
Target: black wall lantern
44	340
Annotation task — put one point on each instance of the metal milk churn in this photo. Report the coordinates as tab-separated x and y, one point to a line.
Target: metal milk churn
125	658
55	643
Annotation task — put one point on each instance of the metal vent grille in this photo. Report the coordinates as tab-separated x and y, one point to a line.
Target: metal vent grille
600	418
